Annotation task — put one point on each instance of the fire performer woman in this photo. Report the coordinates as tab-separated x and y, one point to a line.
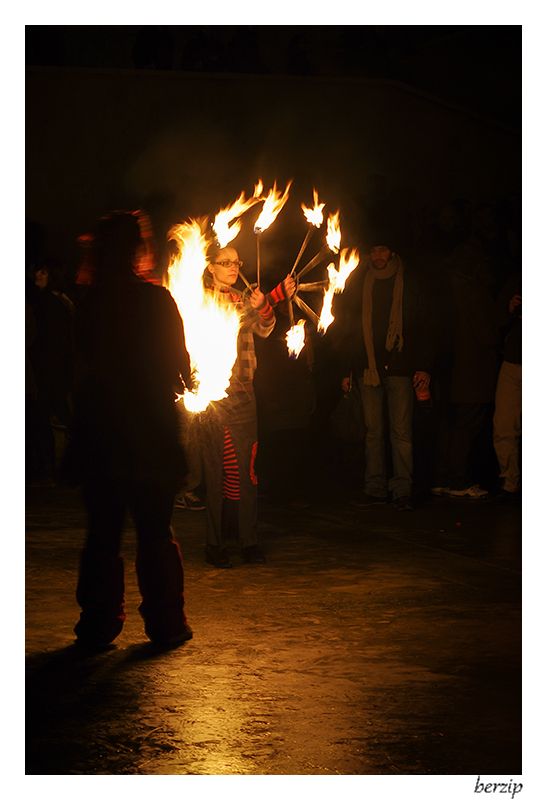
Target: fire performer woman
229	426
124	448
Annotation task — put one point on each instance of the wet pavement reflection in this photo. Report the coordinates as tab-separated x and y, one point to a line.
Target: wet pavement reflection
371	642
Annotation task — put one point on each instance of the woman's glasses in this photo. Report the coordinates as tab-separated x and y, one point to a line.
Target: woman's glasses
227	264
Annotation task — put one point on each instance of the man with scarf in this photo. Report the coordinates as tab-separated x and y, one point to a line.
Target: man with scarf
387	354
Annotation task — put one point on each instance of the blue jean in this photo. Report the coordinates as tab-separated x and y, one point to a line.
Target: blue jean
398	392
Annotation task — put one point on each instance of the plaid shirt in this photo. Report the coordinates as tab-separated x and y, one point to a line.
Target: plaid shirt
253	322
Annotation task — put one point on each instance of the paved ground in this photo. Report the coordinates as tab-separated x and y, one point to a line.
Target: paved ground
371	642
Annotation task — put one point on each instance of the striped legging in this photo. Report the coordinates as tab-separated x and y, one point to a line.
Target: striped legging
229	448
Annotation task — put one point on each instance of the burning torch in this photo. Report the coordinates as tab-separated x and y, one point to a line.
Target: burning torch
273	203
227	224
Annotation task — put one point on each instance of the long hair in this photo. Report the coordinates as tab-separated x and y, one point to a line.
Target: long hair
121	241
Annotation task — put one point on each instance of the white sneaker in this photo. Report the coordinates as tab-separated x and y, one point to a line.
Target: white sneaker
472	492
189	501
438	491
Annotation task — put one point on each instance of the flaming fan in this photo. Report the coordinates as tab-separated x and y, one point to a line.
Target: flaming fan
211	329
334	284
314	216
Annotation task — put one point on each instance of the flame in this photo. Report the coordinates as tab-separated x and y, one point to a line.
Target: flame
259	188
314	215
349	260
221	226
273	203
296	338
326	316
334	234
210	328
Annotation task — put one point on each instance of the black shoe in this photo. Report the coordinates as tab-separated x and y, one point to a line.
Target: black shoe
92	647
253	555
217	556
97	632
504	497
402	504
368	500
167	642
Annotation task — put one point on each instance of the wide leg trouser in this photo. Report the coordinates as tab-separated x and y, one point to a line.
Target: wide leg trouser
189	426
160	574
507	424
461	426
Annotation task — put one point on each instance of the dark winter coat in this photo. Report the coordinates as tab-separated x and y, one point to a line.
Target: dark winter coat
131	361
418	334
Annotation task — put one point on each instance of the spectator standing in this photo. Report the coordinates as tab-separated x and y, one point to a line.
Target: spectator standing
50	358
285	401
189	498
508	402
388	353
467	379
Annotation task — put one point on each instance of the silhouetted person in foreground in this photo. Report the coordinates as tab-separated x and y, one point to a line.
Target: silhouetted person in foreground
125	446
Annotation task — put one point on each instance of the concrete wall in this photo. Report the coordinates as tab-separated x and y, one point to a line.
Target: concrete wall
184	144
